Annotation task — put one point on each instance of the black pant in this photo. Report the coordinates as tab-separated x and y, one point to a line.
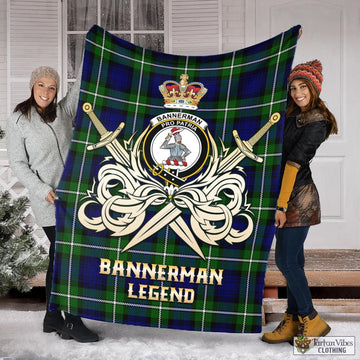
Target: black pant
289	255
50	232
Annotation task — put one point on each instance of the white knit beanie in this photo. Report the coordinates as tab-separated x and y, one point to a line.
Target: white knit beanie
44	71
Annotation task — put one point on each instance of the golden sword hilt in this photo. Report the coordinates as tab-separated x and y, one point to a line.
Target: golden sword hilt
106	137
246	147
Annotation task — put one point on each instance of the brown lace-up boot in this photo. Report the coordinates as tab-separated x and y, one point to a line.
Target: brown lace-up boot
284	332
313	326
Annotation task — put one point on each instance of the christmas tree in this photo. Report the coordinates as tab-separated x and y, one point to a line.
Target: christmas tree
21	256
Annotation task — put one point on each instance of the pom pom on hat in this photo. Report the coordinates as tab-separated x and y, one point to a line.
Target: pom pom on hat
44	71
311	71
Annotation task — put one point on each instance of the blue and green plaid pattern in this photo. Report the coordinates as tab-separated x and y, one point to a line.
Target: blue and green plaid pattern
120	81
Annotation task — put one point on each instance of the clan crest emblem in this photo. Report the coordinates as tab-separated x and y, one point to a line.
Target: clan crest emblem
166	167
176	148
179	135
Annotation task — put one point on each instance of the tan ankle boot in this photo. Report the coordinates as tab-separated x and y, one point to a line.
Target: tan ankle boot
285	331
314	327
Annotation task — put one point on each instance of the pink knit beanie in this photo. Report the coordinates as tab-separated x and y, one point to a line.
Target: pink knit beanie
311	71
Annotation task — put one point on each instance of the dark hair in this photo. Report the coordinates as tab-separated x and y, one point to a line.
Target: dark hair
315	102
49	113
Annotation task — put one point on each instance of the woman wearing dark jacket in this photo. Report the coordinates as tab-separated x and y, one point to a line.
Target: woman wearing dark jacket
39	133
308	124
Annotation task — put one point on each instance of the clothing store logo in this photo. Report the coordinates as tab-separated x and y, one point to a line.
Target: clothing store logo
176	166
329	345
302	344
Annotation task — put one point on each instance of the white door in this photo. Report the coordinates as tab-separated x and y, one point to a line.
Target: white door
331	33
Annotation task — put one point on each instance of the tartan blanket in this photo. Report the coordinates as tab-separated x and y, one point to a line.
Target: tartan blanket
165	215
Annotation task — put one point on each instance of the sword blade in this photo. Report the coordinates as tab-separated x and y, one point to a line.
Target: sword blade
118	152
180	227
231	160
237	155
164	217
107	138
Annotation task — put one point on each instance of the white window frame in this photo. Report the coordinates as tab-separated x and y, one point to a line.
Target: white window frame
132	32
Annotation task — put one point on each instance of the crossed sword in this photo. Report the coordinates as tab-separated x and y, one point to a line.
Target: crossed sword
170	214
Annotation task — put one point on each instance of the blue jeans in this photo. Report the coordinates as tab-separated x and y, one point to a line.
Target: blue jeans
289	257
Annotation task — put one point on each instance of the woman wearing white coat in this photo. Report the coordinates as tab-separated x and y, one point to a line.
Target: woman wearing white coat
39	133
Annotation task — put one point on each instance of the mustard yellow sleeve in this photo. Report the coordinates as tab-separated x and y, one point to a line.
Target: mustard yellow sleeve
287	183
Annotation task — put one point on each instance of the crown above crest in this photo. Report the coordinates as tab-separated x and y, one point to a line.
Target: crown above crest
182	95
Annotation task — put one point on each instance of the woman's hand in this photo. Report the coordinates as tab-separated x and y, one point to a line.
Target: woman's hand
280	218
51	197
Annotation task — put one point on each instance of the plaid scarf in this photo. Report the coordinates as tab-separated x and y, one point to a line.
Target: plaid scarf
165	215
